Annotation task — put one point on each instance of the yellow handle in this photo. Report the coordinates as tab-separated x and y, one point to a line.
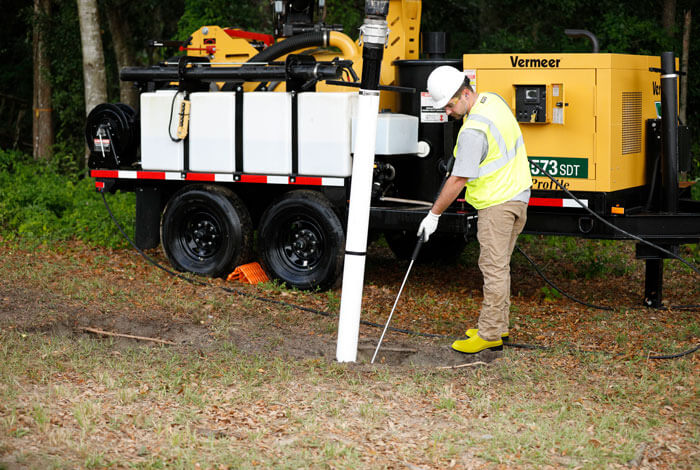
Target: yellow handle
184	121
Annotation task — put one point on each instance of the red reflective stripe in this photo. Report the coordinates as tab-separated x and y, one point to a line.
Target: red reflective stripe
208	49
160	175
306	180
99	184
237	33
253	179
150	175
104	174
200	177
546	202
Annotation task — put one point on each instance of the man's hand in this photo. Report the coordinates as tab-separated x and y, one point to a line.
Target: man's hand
428	226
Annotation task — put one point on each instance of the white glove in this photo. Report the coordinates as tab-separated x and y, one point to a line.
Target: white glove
428	225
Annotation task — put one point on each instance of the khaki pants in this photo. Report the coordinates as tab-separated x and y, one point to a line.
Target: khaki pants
498	228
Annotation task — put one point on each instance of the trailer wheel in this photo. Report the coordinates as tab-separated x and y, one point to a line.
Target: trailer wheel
301	240
206	230
442	247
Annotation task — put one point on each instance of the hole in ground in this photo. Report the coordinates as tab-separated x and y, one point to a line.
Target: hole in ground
428	355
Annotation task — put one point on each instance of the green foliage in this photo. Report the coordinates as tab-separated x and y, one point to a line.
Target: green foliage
15	73
457	18
694	172
598	258
9	159
68	97
588	259
39	203
695	190
692	255
622	32
350	14
244	14
550	294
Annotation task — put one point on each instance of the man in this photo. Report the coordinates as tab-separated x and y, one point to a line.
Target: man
492	164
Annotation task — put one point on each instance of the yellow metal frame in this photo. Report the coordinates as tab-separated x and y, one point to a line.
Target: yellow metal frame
403	21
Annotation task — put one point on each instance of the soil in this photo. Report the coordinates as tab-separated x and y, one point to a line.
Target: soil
437	300
27	308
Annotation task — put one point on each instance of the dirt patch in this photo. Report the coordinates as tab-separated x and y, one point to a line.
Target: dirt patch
25	308
30	309
62	290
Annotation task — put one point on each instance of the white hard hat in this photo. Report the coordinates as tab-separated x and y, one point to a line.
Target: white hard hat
443	83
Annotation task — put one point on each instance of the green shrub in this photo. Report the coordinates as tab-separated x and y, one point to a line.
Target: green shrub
576	258
10	158
695	190
40	203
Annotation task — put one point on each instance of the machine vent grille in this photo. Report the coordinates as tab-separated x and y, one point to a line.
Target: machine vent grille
631	122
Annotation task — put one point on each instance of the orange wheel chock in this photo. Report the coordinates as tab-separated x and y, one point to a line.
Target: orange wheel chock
251	273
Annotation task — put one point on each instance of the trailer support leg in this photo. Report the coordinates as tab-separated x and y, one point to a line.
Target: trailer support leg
147	230
654	282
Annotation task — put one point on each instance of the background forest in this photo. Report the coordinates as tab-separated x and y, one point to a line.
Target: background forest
47	32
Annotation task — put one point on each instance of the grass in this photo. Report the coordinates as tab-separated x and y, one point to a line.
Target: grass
71	400
227	408
587	259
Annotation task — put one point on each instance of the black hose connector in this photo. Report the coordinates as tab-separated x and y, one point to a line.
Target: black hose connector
584	33
377	8
435	44
371	65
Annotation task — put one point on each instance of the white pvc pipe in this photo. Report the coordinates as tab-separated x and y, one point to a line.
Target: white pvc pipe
358	224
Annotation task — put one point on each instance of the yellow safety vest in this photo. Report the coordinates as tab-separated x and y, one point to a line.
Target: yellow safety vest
505	172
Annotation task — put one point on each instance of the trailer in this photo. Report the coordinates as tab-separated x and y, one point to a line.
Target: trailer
244	145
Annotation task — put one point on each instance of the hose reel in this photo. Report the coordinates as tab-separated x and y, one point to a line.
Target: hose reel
112	135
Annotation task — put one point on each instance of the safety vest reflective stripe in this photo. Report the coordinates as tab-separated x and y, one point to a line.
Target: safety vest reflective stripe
507	154
505	172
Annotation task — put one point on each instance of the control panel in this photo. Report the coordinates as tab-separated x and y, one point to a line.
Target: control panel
539	104
531	103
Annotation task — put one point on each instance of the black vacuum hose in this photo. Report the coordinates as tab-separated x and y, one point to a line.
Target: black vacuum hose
291	44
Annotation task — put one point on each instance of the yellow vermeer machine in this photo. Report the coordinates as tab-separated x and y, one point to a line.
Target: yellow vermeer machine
235	134
582	115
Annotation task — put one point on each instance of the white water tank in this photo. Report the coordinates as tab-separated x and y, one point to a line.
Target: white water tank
325	127
325	133
212	132
397	134
158	151
267	133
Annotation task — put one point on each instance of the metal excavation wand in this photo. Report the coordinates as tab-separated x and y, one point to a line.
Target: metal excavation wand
419	244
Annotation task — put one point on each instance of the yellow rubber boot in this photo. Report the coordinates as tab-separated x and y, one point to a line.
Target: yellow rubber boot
476	344
471	332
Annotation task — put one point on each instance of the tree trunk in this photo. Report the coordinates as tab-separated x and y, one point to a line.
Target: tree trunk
93	56
684	66
124	53
42	122
668	18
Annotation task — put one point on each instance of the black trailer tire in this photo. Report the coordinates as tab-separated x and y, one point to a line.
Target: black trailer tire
206	230
301	240
441	247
